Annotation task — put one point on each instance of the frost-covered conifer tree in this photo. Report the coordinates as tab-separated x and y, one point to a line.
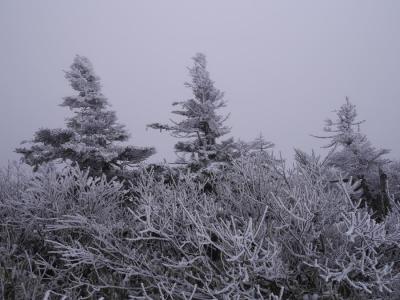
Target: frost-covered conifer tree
351	152
201	126
92	137
259	145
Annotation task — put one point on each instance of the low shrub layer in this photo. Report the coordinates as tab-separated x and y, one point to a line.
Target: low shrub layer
252	231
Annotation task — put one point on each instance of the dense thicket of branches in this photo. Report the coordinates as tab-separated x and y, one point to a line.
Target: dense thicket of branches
263	232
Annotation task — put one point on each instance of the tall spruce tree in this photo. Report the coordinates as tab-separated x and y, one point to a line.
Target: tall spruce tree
93	138
201	126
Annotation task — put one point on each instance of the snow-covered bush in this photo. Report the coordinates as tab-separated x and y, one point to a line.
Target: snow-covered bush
264	232
393	174
28	265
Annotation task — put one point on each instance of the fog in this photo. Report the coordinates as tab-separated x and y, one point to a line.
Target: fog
284	65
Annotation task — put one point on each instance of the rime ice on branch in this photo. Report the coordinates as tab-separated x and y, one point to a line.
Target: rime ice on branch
92	137
201	126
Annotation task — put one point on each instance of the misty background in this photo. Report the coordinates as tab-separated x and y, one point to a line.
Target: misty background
284	65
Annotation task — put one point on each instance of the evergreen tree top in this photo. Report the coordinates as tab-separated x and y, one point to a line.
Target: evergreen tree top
345	129
202	86
82	79
199	112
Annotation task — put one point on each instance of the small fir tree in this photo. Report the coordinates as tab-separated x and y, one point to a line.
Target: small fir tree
351	151
201	126
93	137
353	154
259	145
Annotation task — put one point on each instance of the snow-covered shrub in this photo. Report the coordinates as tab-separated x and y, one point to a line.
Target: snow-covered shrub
264	232
13	180
177	246
330	246
28	265
393	173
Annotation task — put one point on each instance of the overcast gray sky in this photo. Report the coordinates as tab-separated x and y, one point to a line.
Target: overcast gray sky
284	65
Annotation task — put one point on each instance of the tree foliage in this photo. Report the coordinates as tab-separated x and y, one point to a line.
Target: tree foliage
92	138
351	151
353	155
201	125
